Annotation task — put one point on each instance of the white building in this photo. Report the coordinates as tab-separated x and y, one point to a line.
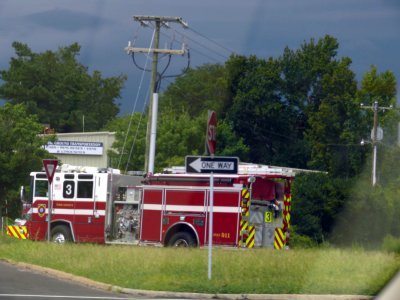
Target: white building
83	148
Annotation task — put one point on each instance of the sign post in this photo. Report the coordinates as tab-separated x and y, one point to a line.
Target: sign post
211	165
211	136
210	226
50	166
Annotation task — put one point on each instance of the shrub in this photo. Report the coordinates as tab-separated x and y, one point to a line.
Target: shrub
298	241
391	244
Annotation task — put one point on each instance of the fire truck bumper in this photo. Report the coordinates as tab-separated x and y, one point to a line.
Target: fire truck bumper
19	232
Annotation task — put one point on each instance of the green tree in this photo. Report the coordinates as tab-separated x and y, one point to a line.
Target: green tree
59	89
130	142
322	89
381	87
318	200
179	135
229	144
334	129
370	214
20	152
261	115
187	100
199	90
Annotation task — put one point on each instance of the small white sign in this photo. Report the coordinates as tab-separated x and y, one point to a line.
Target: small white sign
74	148
200	165
379	134
215	164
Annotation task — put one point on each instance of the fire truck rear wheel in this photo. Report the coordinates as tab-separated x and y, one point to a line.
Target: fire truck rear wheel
182	239
60	234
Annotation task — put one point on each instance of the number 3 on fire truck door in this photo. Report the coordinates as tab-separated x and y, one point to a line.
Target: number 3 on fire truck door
268	217
69	189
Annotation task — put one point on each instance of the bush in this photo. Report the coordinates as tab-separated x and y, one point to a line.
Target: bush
298	241
391	244
318	199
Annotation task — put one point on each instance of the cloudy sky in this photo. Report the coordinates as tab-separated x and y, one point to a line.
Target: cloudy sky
368	32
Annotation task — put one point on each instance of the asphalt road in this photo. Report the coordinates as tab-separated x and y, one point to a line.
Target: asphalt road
21	283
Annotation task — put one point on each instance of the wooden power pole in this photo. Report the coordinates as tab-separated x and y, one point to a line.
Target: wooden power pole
158	22
375	137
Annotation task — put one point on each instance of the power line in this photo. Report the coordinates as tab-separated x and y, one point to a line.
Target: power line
216	43
134	107
159	21
202	45
198	51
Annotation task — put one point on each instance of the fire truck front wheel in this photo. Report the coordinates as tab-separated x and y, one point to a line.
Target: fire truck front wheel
182	239
60	234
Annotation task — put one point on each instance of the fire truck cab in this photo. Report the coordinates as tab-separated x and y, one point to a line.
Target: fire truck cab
251	208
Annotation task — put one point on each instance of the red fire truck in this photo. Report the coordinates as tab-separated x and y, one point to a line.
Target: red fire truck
251	208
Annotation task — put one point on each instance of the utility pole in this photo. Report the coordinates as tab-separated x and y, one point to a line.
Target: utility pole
374	136
159	21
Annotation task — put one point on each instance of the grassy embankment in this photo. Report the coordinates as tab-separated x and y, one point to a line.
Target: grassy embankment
311	271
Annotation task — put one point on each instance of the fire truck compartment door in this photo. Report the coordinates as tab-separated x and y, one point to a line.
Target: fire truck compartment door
150	227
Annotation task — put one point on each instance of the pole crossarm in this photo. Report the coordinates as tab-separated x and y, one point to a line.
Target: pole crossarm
373	107
162	19
130	50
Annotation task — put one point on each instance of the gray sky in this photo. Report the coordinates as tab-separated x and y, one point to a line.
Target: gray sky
368	32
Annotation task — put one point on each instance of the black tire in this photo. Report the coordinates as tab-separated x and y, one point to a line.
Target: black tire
182	239
61	234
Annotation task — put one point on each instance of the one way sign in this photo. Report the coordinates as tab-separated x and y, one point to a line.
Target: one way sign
207	164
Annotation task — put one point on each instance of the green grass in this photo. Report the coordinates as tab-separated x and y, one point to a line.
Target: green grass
261	271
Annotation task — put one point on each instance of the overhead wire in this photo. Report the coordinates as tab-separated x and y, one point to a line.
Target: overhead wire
200	52
211	40
137	129
137	65
162	76
202	45
134	107
184	94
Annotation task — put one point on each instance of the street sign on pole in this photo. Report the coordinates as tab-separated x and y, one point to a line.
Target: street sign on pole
211	136
50	166
211	165
214	164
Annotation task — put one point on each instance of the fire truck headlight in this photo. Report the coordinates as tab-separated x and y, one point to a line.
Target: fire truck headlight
19	222
251	179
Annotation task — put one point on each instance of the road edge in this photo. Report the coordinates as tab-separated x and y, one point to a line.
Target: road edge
166	294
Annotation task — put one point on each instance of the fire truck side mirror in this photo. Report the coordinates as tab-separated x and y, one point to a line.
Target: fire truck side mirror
22	194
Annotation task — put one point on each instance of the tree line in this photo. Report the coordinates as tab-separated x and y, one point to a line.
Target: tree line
300	110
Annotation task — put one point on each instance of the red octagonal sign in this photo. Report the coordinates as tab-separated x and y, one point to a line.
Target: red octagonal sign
212	132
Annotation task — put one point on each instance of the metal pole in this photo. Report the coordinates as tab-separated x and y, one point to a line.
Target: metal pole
159	21
374	142
153	134
6	214
375	149
153	89
210	226
49	213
